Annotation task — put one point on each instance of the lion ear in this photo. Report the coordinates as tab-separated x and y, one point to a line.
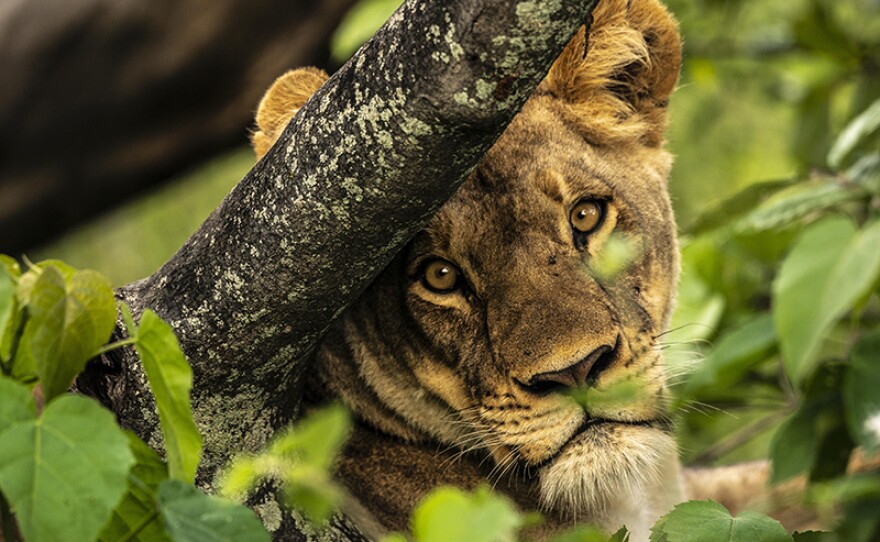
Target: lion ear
620	90
281	102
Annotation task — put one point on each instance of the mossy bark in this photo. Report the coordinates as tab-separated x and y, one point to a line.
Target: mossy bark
360	169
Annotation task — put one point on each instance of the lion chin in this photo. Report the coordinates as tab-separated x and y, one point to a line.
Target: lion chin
612	475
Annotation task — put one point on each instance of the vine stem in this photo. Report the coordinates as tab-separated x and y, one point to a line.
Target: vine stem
113	346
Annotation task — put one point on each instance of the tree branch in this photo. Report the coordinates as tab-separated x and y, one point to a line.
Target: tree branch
360	169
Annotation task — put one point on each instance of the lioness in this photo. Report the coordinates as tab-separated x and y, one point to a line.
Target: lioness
458	359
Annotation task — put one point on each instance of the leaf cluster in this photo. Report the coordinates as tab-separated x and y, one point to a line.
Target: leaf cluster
68	472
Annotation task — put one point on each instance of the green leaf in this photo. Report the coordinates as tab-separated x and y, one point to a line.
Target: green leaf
16	404
829	268
861	396
9	313
723	213
855	133
798	201
137	515
449	513
69	321
64	472
170	379
866	173
302	459
708	521
794	446
317	439
191	516
810	439
735	354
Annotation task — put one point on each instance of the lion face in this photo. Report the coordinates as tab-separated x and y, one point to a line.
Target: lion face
506	289
551	272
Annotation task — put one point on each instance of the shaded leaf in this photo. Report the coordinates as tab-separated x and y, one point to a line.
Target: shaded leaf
808	436
855	133
723	213
796	202
191	516
794	447
64	472
449	513
69	321
170	379
708	521
862	393
136	517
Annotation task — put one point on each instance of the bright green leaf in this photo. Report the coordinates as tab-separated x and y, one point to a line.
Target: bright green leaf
317	439
708	521
170	379
855	133
69	321
301	459
829	268
449	513
11	265
616	255
862	393
191	516
9	313
138	513
65	472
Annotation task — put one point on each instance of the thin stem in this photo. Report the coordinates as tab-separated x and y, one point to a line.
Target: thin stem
113	346
738	439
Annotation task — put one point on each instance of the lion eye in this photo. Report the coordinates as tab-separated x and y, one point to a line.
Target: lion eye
440	276
587	215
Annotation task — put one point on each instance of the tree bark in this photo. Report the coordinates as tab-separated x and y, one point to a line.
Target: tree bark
126	93
359	170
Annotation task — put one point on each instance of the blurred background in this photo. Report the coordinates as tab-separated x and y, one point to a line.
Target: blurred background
124	123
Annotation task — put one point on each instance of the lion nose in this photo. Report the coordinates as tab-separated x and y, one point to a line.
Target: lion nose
582	373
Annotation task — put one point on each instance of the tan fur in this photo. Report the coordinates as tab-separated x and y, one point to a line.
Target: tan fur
442	382
281	102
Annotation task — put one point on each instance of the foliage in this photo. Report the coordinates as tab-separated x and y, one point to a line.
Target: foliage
301	460
67	470
702	521
776	185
